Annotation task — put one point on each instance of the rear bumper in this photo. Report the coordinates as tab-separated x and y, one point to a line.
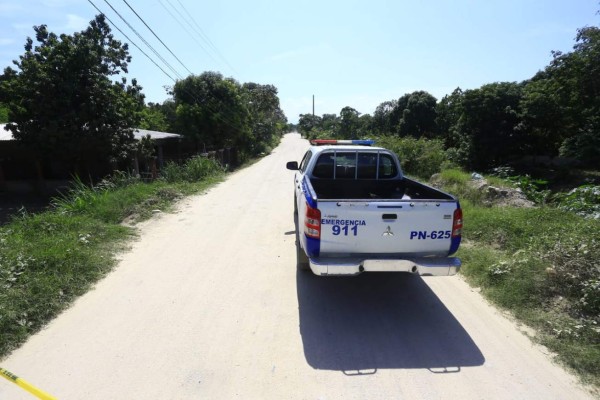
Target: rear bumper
444	266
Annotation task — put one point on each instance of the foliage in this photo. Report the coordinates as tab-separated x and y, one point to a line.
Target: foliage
413	114
210	110
307	123
532	188
485	131
267	120
63	99
386	117
3	114
418	115
153	119
349	123
419	157
585	144
193	170
583	200
217	112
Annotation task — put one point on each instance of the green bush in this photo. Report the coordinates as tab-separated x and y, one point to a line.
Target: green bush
584	201
193	170
418	157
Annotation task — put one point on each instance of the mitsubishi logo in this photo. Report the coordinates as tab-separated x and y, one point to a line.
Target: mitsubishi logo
388	232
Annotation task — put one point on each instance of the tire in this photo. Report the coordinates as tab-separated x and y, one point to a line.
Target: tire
301	258
295	204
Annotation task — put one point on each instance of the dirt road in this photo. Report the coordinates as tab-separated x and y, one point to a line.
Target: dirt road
208	305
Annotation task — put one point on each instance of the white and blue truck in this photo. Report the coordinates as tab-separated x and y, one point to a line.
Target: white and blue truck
355	212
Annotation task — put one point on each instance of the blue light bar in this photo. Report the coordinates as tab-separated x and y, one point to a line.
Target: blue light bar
360	142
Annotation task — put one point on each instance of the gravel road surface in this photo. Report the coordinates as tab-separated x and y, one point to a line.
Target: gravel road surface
208	304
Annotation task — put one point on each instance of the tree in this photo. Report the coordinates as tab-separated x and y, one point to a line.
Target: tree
543	118
63	101
211	111
386	117
267	120
418	115
486	129
448	112
307	123
3	114
349	123
330	123
153	118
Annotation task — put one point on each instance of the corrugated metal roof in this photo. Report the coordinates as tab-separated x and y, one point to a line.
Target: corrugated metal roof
5	135
138	134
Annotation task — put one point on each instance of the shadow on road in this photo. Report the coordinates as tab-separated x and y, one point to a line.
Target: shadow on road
380	320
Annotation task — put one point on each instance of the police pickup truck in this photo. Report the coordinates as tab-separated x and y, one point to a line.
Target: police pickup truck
356	211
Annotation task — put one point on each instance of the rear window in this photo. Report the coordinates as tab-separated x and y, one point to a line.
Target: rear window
353	165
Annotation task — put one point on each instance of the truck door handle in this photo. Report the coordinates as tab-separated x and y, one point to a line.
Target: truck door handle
389	216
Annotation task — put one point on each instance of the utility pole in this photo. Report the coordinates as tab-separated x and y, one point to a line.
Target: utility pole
313	105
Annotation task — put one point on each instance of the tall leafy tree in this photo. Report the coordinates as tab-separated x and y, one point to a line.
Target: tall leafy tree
267	120
349	123
418	115
211	110
308	122
386	117
448	111
486	129
63	99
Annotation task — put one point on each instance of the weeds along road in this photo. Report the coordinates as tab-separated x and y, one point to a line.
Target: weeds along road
208	305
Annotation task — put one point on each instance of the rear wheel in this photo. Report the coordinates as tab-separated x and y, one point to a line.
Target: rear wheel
301	258
295	204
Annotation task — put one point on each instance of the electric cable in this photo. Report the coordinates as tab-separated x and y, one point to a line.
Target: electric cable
205	37
145	41
131	41
156	36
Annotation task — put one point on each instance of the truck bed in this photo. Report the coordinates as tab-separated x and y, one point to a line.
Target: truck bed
372	189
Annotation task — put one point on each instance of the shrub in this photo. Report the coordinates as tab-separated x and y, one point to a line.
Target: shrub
418	157
193	170
584	201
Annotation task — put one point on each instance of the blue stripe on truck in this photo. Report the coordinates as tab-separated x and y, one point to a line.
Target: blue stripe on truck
454	244
313	246
309	199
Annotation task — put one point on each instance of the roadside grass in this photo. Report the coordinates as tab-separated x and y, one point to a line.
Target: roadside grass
541	264
49	259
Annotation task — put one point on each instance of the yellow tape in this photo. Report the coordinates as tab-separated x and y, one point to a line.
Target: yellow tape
22	383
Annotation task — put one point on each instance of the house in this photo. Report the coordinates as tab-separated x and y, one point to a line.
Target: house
20	171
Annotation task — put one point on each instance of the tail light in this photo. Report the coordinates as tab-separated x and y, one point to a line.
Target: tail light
457	223
312	223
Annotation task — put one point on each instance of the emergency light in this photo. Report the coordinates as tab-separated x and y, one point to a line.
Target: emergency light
361	142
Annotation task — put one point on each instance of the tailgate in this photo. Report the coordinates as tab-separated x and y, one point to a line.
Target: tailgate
420	228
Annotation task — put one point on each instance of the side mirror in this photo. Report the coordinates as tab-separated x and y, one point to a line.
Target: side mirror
292	165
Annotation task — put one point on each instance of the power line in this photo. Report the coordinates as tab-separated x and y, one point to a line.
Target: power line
145	41
132	42
192	35
205	36
156	36
180	24
206	102
186	29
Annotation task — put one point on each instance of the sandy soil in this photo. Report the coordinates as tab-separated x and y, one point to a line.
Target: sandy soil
208	305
